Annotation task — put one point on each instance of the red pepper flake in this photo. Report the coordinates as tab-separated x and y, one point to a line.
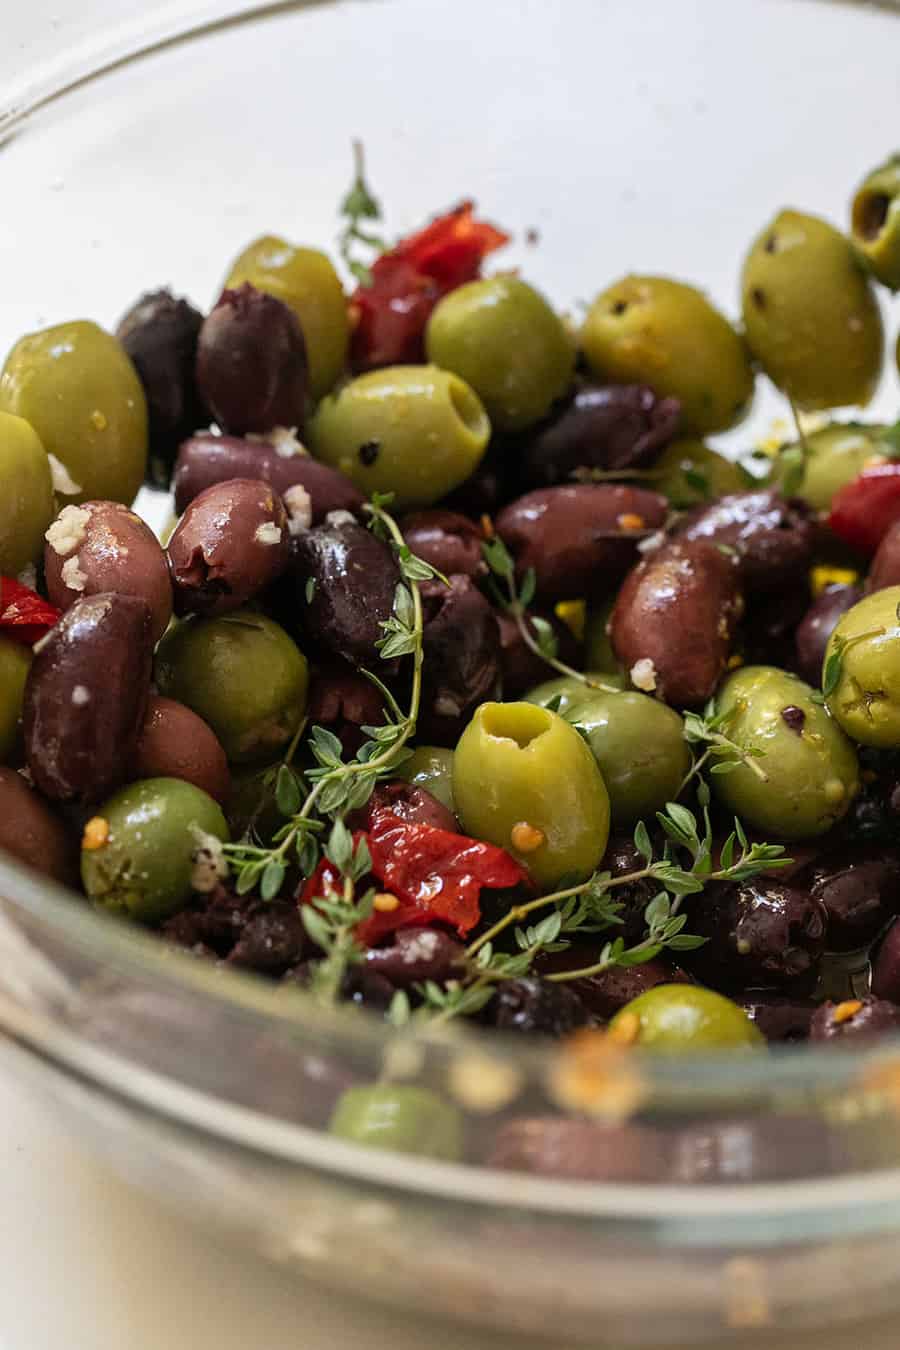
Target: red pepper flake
409	280
864	510
25	616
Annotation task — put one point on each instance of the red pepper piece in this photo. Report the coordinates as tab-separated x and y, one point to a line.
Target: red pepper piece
25	616
864	510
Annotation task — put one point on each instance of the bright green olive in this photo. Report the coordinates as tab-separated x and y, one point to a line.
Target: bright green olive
518	765
400	1117
15	660
243	675
304	279
431	767
503	338
80	392
861	673
652	330
685	1018
415	431
805	773
835	455
598	652
566	692
26	499
875	222
810	315
144	866
688	472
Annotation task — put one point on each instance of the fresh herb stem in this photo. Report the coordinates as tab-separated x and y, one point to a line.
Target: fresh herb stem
359	205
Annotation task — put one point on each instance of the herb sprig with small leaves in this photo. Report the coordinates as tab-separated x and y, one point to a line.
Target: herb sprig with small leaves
358	206
331	920
720	754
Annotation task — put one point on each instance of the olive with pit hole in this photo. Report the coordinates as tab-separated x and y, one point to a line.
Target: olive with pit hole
176	743
231	543
345	579
875	222
86	695
104	546
30	831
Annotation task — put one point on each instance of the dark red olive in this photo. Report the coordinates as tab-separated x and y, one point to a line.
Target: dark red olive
860	889
773	538
33	833
448	541
272	939
780	1017
737	1152
761	934
885	569
603	995
521	668
415	955
176	743
816	628
461	646
251	367
344	701
536	1007
886	966
854	1020
344	581
551	1146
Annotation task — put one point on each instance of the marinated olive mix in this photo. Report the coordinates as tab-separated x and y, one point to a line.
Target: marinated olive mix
468	679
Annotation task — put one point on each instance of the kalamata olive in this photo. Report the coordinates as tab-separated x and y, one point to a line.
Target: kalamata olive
885	569
768	632
818	624
344	701
176	743
677	613
780	1017
417	954
773	538
31	832
205	459
886	966
761	934
734	1152
413	804
251	366
491	486
621	859
521	668
551	1146
537	1007
215	919
859	885
614	426
447	540
85	697
231	543
579	538
272	939
345	579
160	334
874	813
461	645
603	995
854	1020
103	547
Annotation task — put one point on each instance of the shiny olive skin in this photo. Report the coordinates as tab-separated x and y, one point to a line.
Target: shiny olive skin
26	503
175	743
688	472
605	426
231	543
565	693
431	767
865	701
773	538
885	568
811	773
81	393
835	455
31	833
859	887
578	537
461	650
15	661
105	546
679	608
159	333
500	335
761	933
143	869
874	1018
400	1117
875	222
535	1007
656	331
86	695
886	966
416	431
344	701
810	315
814	630
605	994
304	279
344	579
517	763
598	651
417	954
447	540
215	666
684	1018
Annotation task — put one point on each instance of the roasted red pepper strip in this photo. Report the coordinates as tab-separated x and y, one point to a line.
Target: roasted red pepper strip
864	510
437	876
24	615
409	280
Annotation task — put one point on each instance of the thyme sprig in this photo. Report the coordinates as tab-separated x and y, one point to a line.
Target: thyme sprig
358	206
720	754
331	919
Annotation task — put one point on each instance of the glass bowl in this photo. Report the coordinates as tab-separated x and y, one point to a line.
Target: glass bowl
749	1197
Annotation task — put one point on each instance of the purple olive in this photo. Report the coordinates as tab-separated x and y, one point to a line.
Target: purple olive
604	995
854	1020
344	701
761	933
860	889
780	1017
737	1152
886	966
816	628
272	939
772	538
448	541
417	954
344	580
521	668
461	645
32	832
551	1146
885	569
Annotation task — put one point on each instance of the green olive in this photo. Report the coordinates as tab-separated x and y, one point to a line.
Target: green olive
304	279
26	502
685	1018
875	222
80	392
566	692
431	767
835	456
415	431
598	652
810	315
503	338
805	773
652	330
143	869
400	1117
862	670
243	675
15	660
688	472
519	765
